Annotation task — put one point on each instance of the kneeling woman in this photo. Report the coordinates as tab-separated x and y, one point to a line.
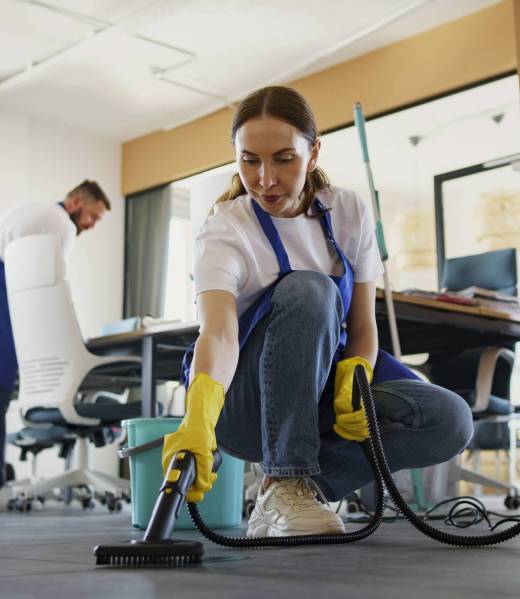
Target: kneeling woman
285	281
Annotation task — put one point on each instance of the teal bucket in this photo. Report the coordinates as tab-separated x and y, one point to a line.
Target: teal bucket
221	507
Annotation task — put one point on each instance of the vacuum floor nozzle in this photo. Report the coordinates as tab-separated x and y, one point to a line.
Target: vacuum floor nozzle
157	549
152	554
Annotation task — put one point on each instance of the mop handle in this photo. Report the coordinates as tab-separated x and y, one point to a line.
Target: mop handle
359	121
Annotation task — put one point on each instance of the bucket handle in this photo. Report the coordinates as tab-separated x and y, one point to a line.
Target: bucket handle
129	452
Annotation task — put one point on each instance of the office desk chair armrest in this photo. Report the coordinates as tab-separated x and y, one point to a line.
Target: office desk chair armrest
485	373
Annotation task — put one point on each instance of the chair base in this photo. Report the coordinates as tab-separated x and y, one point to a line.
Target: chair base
102	483
81	476
479	479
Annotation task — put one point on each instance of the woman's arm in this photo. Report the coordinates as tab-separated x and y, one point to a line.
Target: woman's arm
361	323
216	349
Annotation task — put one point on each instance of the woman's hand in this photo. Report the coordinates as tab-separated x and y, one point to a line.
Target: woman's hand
361	349
351	425
196	433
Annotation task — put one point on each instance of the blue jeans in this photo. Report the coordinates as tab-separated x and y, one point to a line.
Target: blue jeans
279	408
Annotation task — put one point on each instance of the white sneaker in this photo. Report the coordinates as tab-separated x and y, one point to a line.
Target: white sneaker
291	507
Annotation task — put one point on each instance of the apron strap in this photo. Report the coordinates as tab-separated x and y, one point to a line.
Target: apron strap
274	238
326	223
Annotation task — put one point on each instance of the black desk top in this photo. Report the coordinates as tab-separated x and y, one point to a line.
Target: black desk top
427	328
423	327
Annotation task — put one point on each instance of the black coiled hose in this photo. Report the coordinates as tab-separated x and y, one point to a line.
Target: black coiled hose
373	449
326	539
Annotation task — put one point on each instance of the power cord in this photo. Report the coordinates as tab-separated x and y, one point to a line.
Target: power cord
468	511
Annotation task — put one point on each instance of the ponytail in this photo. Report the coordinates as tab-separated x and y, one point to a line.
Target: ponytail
235	189
315	181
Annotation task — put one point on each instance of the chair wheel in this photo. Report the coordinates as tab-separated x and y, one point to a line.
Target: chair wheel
512	502
23	505
88	503
353	507
114	505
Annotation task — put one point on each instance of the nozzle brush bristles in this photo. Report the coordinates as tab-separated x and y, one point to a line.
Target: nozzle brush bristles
145	554
143	561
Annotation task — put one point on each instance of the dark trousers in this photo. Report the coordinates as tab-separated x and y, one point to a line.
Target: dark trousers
5	398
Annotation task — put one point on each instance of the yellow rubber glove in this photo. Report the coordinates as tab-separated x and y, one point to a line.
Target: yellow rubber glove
349	424
196	433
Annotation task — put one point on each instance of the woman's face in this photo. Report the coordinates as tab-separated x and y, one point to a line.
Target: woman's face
273	159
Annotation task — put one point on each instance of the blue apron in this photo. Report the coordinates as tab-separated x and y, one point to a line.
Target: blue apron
8	363
387	368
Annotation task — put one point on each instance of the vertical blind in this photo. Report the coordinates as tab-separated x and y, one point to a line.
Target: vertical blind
146	251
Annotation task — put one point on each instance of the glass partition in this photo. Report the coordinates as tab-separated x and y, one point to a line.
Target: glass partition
407	149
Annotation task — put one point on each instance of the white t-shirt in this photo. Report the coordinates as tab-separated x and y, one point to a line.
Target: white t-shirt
30	218
233	254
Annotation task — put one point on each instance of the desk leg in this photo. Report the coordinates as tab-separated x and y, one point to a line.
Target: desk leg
512	452
148	383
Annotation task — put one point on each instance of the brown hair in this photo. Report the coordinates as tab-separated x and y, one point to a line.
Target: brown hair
287	105
91	191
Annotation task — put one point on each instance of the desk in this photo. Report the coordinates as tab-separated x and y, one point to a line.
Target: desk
424	326
430	326
161	346
427	325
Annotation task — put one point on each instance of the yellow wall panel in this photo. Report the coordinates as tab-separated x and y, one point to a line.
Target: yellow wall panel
449	57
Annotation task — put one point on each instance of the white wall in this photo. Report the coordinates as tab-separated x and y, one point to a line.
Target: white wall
204	191
457	131
201	191
41	161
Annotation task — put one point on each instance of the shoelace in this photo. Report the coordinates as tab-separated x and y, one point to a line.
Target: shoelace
301	493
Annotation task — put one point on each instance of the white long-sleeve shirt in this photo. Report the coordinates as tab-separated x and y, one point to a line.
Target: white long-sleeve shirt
31	218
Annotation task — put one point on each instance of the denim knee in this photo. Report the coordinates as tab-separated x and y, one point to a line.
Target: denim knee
442	418
461	418
313	293
456	422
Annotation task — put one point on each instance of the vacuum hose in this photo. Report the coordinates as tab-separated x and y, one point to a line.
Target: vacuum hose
373	449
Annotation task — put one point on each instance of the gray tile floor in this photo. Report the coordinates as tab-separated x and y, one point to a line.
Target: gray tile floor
49	554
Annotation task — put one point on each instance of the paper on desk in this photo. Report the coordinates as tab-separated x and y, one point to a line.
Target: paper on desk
150	321
480	292
441	296
473	296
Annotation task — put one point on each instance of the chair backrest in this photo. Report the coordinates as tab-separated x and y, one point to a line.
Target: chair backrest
52	356
491	270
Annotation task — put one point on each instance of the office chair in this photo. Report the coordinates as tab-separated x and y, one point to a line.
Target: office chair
482	375
54	361
490	270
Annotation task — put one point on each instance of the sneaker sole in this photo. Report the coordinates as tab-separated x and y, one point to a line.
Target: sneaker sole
268	530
